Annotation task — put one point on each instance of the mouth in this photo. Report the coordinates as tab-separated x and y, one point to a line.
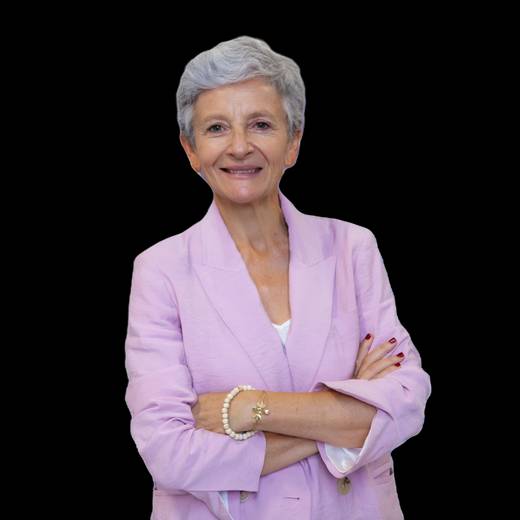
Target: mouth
242	171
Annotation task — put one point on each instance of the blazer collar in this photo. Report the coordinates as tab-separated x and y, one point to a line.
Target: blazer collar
231	290
307	245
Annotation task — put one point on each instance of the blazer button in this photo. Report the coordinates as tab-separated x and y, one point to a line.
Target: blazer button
244	495
344	485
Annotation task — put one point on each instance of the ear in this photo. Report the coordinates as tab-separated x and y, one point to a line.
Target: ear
190	152
293	149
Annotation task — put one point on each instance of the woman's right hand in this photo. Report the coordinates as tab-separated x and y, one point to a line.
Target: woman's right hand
374	365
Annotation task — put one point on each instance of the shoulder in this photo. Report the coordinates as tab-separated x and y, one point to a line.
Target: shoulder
166	253
349	235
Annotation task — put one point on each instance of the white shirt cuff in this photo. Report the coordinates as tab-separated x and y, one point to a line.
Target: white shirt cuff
342	458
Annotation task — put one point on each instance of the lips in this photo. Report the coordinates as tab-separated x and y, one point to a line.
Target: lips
243	170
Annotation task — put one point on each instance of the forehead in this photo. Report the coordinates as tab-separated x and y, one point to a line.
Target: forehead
239	100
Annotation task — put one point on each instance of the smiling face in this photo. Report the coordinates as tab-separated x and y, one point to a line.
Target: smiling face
242	126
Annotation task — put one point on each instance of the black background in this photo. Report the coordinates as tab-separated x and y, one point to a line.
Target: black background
383	148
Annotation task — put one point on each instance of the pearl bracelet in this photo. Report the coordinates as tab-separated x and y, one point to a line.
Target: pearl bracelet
225	414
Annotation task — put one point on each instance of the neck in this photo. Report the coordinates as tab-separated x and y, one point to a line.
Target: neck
258	229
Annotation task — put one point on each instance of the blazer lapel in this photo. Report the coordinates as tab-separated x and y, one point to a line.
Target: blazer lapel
231	290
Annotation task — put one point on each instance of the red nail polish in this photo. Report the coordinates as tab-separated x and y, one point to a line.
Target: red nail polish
393	340
400	354
368	336
397	364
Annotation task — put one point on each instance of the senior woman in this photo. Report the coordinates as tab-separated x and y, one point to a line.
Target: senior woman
269	375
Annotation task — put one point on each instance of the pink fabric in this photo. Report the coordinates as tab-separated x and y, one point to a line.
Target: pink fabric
342	458
196	324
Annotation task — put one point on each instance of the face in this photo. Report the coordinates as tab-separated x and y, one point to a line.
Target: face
241	126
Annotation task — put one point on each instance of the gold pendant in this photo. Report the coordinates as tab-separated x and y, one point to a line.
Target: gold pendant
260	409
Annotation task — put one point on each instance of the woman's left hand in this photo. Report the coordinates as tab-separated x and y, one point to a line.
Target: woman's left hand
207	412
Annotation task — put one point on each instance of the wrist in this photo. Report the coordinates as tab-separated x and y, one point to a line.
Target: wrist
242	412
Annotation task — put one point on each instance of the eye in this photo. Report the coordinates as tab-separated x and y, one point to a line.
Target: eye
217	126
263	125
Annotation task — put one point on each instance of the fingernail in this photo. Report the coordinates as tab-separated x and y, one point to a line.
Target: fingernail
368	336
400	354
397	364
393	340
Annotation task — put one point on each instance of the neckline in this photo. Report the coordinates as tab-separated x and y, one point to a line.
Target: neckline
281	324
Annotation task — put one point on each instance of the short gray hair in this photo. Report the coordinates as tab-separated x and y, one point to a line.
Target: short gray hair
237	60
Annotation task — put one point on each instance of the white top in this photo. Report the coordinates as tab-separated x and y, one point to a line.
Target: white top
283	331
342	458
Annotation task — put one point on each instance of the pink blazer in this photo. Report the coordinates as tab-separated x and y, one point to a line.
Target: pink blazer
196	324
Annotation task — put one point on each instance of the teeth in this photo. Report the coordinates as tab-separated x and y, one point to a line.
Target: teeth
242	171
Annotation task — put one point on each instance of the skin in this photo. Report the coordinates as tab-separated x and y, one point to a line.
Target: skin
287	448
249	207
245	124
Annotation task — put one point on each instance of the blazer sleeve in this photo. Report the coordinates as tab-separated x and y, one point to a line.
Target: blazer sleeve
160	394
400	396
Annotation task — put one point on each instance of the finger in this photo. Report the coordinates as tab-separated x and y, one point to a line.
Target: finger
386	371
370	371
364	346
377	354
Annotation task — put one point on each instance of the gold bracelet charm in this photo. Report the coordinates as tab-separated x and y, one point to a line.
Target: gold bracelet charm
260	410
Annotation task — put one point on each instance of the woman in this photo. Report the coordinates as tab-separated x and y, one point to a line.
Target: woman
257	293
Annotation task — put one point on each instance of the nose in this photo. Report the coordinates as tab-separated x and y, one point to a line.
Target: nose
239	145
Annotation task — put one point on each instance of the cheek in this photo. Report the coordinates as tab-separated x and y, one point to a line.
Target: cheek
208	158
207	151
275	154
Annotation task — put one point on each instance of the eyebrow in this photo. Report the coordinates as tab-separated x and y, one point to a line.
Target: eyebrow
262	113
